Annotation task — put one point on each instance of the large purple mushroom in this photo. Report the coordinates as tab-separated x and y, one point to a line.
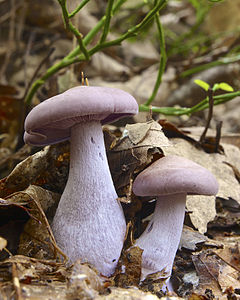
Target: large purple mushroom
89	221
170	179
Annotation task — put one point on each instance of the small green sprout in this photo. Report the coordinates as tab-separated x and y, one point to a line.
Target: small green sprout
217	86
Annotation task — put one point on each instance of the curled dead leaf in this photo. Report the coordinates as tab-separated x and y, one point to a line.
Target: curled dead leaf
3	243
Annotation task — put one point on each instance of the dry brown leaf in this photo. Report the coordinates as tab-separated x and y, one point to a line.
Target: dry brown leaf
201	210
128	294
37	239
128	272
190	238
137	148
24	173
31	268
41	168
83	282
231	255
3	243
207	268
228	277
147	134
215	274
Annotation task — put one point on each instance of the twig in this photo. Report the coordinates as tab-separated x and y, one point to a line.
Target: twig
107	21
163	61
69	26
81	5
130	33
16	282
76	56
71	57
218	136
210	113
42	62
173	111
221	61
11	39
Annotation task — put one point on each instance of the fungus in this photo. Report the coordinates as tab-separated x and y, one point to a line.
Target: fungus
170	179
89	222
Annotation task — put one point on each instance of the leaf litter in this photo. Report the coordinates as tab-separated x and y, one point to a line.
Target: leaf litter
24	189
207	263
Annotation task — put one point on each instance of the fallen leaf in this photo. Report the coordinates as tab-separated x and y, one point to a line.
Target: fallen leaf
190	238
207	268
3	243
136	149
128	272
201	211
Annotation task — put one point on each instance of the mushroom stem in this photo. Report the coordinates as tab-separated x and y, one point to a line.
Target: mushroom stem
92	225
161	238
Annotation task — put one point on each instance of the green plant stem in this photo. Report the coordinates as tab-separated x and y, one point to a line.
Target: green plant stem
75	56
210	113
163	61
222	61
69	26
173	111
76	10
201	12
131	32
107	21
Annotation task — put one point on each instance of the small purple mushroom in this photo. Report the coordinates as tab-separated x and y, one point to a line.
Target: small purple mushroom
89	221
170	179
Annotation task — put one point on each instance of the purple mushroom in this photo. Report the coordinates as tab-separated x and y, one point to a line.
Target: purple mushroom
89	221
170	179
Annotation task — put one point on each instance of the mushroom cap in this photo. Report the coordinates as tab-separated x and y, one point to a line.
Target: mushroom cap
50	122
174	174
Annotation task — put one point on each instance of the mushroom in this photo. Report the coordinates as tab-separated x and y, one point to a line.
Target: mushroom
89	222
170	179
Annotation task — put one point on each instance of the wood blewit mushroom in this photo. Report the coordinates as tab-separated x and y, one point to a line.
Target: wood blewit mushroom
89	221
170	179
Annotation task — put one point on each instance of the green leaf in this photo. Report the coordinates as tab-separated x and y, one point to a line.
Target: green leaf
225	87
202	84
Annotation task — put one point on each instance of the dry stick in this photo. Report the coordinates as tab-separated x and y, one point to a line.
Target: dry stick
11	38
42	62
218	135
210	113
16	282
24	109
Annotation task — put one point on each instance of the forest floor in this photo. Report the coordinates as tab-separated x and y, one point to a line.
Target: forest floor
33	38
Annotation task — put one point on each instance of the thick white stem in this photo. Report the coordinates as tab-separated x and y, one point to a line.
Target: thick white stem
161	238
89	223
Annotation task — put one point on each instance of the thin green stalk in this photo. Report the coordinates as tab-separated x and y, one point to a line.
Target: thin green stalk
107	21
69	26
74	56
71	57
163	61
173	111
93	32
76	10
201	12
222	61
131	32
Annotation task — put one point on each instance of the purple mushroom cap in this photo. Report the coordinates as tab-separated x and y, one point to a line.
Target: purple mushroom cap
174	174
51	121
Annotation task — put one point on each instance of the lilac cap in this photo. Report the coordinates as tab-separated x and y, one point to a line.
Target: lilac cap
50	122
174	174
